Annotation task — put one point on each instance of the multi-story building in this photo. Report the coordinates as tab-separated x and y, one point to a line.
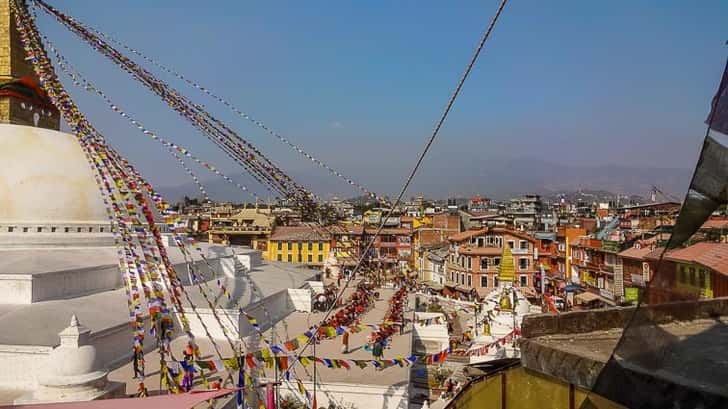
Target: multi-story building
546	250
595	262
432	235
565	235
435	265
479	204
648	216
299	244
248	227
475	257
391	249
637	264
525	211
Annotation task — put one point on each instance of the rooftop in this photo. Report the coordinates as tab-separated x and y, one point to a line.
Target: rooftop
636	253
575	347
300	233
709	254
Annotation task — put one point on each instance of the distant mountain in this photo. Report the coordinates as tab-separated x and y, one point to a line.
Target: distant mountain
499	179
549	178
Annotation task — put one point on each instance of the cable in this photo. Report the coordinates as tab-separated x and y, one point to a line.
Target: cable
420	159
240	113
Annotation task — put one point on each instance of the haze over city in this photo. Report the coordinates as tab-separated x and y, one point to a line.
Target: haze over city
388	205
569	83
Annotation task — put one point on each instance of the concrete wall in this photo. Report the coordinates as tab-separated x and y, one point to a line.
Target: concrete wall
16	288
74	283
430	338
229	319
22	365
358	396
278	306
603	319
18	239
300	298
27	289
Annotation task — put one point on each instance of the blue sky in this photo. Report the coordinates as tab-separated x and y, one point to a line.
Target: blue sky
360	84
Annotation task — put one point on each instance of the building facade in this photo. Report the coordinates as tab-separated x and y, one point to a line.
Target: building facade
299	244
474	259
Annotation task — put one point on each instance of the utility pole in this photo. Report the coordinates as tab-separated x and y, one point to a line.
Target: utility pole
315	340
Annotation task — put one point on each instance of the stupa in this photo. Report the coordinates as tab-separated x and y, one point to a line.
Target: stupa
58	259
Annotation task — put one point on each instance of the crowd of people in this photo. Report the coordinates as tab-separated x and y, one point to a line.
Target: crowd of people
359	302
393	321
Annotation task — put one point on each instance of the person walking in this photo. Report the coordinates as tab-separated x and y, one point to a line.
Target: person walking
377	349
345	342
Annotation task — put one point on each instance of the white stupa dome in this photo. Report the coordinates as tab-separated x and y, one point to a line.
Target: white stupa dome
47	188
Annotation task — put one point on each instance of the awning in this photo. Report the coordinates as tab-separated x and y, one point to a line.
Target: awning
587	297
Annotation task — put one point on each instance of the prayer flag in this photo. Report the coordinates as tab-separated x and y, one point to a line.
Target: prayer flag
718	117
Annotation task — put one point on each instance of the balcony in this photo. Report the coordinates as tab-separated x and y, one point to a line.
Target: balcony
519	251
387	244
610	246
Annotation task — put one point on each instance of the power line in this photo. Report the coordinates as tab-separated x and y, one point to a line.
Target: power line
420	159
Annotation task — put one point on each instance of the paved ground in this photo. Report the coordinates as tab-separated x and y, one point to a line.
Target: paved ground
293	325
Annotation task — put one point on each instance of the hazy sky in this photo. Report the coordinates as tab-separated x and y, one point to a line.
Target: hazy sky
360	84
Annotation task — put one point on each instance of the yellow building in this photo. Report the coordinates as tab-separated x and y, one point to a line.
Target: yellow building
299	244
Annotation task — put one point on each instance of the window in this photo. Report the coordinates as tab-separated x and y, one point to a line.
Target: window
484	281
280	257
310	258
25	230
496	261
692	276
495	281
299	257
66	229
524	281
470	262
511	244
470	280
481	241
701	278
484	263
101	230
10	229
78	229
40	230
683	275
280	245
523	263
523	245
90	229
462	278
321	258
310	246
290	247
290	257
321	246
53	229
